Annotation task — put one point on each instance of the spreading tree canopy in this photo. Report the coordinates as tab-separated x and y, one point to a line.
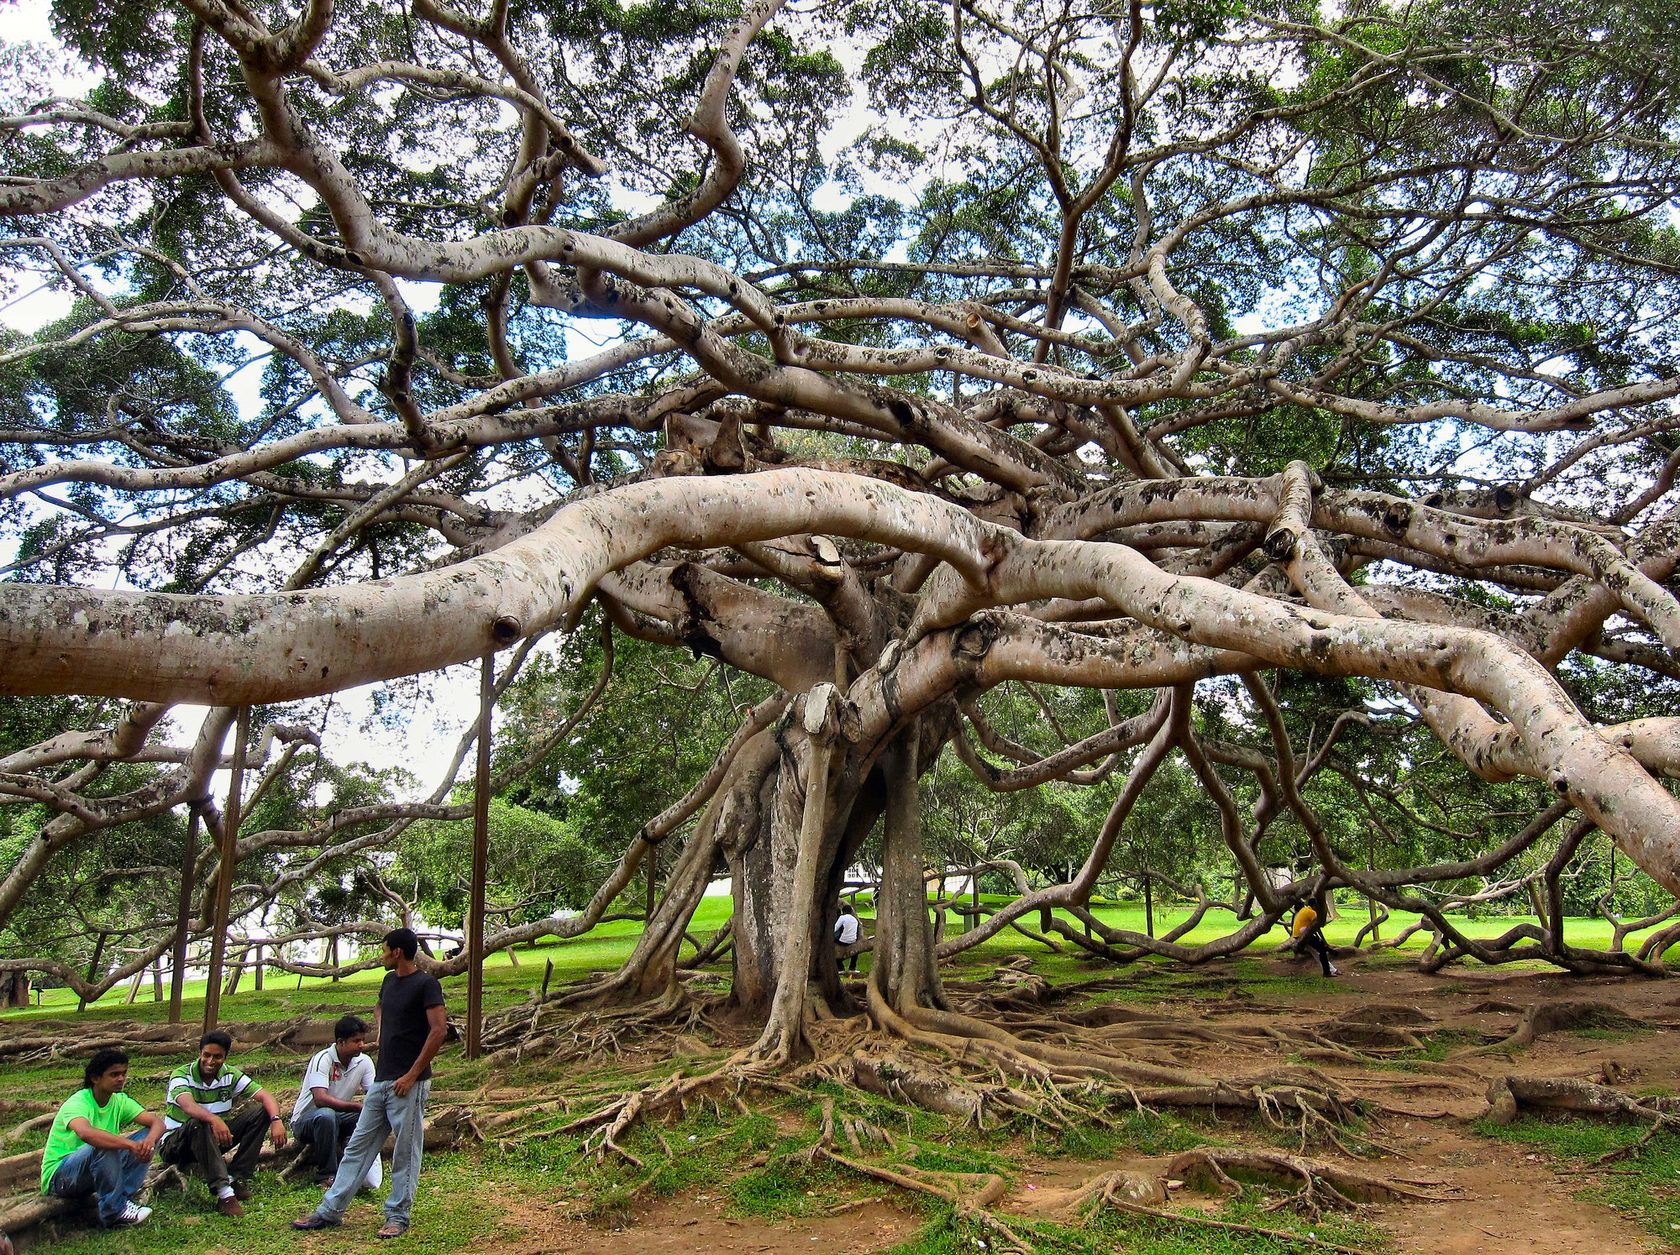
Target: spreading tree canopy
1296	382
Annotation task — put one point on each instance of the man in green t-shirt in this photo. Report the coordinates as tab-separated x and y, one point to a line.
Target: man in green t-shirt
210	1107
86	1150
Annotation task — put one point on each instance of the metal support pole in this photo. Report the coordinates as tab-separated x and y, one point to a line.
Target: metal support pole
183	912
480	862
224	878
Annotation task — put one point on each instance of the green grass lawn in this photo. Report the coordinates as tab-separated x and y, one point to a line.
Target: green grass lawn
607	946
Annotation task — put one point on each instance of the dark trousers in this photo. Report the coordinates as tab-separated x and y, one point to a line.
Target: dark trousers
1313	939
325	1131
193	1144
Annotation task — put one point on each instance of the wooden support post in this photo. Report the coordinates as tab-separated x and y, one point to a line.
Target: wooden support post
224	878
93	966
480	862
183	912
157	979
258	972
1149	903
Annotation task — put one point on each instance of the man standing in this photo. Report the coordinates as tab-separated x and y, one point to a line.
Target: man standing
327	1108
203	1124
86	1151
411	1023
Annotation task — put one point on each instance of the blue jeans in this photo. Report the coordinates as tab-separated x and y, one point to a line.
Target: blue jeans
112	1176
405	1120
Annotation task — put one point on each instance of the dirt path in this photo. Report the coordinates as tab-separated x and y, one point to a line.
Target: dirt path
696	1224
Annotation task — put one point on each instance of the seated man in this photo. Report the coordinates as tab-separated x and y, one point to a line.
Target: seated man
326	1109
1307	932
86	1151
199	1111
846	933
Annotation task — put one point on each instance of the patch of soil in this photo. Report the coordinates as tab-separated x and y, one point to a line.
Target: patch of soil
695	1224
1513	1201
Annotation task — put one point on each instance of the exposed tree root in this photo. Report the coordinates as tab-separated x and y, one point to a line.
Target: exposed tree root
894	1077
1121	1184
1508	1096
971	1194
1552	1017
1318	1185
729	1079
1231	1226
56	1039
1383	1025
34	1122
966	1037
557	1031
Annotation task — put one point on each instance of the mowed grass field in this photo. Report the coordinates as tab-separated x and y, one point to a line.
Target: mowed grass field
510	980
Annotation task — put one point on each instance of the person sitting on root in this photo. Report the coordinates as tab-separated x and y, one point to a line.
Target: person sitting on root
326	1110
87	1152
1308	931
846	932
204	1123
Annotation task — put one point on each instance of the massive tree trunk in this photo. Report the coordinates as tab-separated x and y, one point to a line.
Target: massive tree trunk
904	973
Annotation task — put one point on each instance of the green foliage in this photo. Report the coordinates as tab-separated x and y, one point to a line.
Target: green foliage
538	865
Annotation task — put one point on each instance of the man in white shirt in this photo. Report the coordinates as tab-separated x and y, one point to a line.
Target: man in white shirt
846	931
327	1103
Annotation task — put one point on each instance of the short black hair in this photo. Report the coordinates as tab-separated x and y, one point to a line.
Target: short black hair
216	1037
404	940
102	1062
349	1026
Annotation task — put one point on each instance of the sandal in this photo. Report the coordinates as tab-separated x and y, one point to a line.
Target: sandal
393	1229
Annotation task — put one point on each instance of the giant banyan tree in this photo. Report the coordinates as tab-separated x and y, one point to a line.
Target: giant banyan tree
1216	357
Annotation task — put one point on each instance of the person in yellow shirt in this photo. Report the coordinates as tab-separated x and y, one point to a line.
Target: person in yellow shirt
1308	931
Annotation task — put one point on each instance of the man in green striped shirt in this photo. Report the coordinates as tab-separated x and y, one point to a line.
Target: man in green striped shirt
203	1123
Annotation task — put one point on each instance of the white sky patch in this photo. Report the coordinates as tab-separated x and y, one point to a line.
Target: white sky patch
422	744
30	22
36	306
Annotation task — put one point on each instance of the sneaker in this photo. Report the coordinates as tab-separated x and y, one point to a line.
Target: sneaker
242	1191
314	1220
1334	971
133	1213
230	1206
324	1180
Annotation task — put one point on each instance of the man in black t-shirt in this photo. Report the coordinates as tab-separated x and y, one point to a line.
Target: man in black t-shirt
410	1023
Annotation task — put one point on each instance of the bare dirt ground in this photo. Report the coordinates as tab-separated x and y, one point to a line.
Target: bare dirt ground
1500	1196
